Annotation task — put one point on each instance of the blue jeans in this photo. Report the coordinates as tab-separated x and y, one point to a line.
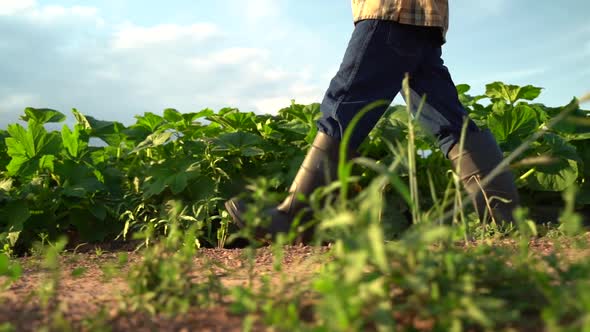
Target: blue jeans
378	56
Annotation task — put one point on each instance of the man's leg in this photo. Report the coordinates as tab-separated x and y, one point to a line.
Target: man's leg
378	56
443	116
376	60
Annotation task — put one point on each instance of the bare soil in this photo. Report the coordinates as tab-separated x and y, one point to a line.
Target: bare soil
91	298
93	295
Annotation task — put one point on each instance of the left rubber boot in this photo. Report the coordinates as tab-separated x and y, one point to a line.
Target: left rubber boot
318	169
480	155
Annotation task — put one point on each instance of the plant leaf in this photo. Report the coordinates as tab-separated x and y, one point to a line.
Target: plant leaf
560	174
20	143
556	177
511	93
462	88
9	269
27	147
149	121
243	143
111	132
172	115
154	140
511	125
72	142
77	180
42	115
235	121
171	174
528	92
16	213
82	120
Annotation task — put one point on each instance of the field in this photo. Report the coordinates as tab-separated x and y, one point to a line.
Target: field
97	290
131	234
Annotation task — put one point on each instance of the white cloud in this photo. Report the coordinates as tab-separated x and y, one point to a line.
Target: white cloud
253	81
126	68
236	55
33	12
12	7
131	36
274	74
122	70
257	10
18	101
523	73
511	76
228	57
56	12
273	104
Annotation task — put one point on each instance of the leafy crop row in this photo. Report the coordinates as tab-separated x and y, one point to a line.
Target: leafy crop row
96	180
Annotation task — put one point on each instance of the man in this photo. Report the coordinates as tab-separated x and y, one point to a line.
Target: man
392	38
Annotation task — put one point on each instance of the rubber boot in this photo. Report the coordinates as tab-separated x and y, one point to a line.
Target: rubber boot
480	155
318	169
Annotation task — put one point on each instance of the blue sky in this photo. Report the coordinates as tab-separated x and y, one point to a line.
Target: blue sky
114	59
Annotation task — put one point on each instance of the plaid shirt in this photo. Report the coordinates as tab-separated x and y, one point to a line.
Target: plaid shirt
433	13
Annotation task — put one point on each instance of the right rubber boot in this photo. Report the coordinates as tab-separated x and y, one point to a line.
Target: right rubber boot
480	155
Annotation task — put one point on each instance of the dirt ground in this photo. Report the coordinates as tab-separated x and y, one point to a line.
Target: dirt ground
92	296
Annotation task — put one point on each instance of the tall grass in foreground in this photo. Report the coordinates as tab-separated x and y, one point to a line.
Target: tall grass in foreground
424	280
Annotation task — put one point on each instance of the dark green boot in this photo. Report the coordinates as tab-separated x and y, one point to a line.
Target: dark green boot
318	169
480	155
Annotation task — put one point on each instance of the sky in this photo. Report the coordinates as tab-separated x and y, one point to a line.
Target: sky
114	59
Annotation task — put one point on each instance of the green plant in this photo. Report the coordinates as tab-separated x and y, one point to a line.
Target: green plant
98	322
7	327
98	251
57	182
48	290
10	270
162	282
